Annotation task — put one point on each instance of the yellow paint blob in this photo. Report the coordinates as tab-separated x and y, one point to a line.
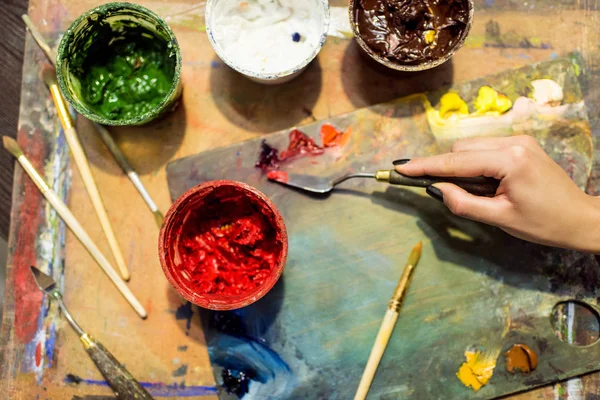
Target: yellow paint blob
477	370
429	36
489	101
452	104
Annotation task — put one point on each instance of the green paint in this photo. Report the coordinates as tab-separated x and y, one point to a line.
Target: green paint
120	64
126	77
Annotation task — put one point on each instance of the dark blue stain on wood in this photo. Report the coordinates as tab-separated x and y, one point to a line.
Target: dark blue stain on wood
158	389
181	371
73	379
185	312
182	348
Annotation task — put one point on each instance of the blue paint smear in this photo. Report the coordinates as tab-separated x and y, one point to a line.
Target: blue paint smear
155	389
244	361
553	55
215	64
49	345
186	312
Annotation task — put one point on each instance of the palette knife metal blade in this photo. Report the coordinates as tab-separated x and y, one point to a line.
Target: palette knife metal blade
120	380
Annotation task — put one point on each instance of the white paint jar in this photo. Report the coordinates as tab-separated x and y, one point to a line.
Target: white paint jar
269	41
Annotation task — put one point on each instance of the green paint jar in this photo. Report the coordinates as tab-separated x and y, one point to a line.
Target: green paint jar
120	64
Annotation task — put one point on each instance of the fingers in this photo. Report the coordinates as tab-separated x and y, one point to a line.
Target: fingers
490	163
492	211
494	143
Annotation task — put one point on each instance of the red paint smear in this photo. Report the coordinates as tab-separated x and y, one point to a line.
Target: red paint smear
331	136
300	144
229	246
38	354
279	176
28	297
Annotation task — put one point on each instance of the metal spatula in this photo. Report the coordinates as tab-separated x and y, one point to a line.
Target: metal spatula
480	185
120	380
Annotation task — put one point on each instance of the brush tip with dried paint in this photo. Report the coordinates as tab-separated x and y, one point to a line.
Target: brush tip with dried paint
49	75
12	146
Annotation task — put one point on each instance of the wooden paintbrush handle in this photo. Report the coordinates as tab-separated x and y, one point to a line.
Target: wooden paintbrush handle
120	380
92	189
480	185
383	337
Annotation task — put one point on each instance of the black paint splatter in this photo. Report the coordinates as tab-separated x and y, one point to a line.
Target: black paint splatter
181	371
236	382
74	379
268	157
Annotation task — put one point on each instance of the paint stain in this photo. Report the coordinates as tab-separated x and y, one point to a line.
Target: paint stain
73	379
30	298
181	371
522	358
268	157
182	348
185	312
235	382
300	144
477	370
278	176
38	354
331	136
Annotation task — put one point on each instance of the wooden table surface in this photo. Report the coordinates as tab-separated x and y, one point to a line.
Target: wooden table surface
219	108
12	32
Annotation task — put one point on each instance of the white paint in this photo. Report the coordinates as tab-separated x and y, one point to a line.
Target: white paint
255	36
547	92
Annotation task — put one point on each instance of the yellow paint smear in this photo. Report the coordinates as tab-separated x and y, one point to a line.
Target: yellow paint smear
452	104
477	370
491	102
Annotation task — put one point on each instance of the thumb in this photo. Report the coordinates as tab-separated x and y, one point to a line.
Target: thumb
490	210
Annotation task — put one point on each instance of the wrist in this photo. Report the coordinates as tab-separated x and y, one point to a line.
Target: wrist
590	230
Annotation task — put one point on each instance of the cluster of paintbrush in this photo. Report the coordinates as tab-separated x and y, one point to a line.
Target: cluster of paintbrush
122	383
49	77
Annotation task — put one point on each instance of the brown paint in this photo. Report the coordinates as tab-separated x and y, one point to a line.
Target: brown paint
521	357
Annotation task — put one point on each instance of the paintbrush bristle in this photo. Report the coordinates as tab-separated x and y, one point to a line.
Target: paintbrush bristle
12	146
49	75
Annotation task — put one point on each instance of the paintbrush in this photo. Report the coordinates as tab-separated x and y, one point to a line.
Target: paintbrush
387	326
480	185
119	379
104	134
64	212
49	77
128	170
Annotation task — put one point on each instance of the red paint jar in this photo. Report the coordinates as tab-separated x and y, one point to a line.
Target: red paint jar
223	245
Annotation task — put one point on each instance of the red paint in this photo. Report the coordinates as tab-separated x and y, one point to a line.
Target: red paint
331	136
223	245
38	354
300	144
279	176
28	297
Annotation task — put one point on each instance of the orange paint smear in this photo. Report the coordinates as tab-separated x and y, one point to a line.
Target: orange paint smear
522	358
331	136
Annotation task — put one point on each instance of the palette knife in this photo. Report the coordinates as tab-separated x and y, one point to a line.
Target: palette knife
120	380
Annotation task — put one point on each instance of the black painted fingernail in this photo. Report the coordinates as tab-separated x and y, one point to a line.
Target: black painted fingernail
401	162
435	193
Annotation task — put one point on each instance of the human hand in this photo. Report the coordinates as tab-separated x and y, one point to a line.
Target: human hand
536	199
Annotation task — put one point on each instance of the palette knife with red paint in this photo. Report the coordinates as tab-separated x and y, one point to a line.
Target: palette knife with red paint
119	379
480	185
